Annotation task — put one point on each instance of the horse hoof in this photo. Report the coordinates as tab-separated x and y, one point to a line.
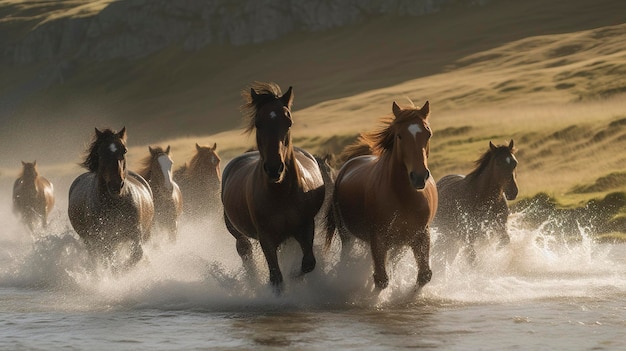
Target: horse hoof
425	277
277	287
244	249
381	283
308	265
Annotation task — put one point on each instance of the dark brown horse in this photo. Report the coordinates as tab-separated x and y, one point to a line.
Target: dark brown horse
200	182
33	197
473	206
274	193
388	199
109	205
168	200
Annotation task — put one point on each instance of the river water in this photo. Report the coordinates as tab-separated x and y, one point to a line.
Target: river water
541	292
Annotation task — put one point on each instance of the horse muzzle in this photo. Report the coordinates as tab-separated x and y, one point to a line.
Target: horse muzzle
511	195
274	173
418	181
115	188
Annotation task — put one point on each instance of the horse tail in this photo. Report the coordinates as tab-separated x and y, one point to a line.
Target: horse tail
330	224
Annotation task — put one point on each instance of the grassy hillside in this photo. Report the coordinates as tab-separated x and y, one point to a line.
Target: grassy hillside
549	74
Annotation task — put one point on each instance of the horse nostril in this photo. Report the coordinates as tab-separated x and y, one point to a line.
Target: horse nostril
418	182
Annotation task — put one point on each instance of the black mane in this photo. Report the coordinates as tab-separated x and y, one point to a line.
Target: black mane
92	158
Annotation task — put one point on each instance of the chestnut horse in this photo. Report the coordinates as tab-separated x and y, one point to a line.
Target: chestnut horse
168	200
109	205
389	198
473	206
33	197
200	182
274	193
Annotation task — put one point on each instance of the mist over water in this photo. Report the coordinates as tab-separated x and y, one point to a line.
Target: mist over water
201	275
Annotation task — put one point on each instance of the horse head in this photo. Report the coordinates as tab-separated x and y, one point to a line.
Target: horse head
111	164
207	159
412	142
273	123
505	165
161	167
29	170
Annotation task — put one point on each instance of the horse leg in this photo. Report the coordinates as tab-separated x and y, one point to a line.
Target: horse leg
347	243
136	252
244	248
379	256
421	251
172	228
173	231
269	250
305	239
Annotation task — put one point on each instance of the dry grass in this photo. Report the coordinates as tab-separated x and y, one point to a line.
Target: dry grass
559	96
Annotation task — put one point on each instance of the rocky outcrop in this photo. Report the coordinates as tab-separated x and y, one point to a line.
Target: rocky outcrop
132	29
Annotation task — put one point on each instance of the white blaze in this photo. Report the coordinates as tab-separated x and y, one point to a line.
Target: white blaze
112	147
272	115
414	129
508	160
166	169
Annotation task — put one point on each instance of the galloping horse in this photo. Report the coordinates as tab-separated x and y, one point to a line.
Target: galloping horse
109	205
33	196
388	199
200	182
472	206
168	200
273	193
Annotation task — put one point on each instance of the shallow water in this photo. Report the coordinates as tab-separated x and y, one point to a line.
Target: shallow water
540	292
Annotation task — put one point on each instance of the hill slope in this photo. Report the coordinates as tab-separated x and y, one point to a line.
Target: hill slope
175	93
549	76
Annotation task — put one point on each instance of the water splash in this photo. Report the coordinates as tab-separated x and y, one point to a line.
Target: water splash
202	271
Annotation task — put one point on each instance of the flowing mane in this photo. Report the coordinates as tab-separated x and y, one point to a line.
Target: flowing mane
381	140
266	92
91	161
482	162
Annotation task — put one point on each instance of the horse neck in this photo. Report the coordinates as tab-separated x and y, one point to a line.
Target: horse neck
202	177
393	171
29	184
293	171
485	185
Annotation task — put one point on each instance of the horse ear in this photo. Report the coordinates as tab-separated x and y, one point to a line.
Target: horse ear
122	133
396	109
35	163
151	150
491	146
287	97
98	132
426	108
167	151
253	94
23	163
214	146
197	147
511	145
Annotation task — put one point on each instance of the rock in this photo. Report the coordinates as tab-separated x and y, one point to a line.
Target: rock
131	29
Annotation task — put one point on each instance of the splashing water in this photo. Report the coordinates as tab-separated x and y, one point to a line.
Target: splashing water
540	281
202	270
